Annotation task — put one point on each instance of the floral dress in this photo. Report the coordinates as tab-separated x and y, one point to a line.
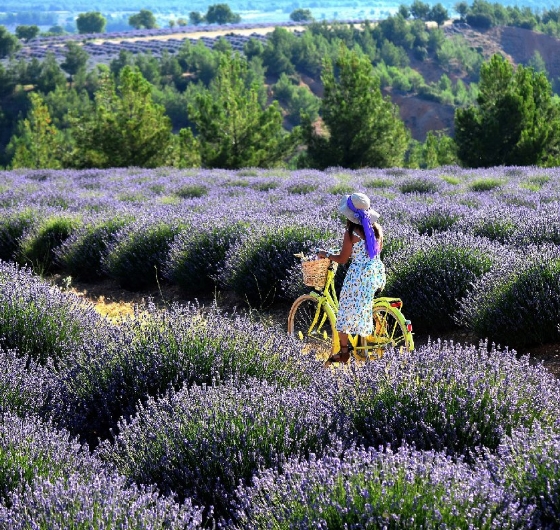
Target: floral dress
363	278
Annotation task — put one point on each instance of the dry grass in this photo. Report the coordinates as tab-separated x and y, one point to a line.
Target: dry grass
114	311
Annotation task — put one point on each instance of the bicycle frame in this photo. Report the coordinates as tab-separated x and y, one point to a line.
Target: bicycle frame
327	307
328	301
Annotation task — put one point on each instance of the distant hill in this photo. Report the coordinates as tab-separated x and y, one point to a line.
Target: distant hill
516	44
419	113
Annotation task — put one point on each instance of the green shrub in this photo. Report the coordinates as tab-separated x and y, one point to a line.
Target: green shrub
81	254
38	247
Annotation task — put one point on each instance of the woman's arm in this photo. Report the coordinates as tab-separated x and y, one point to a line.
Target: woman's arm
345	251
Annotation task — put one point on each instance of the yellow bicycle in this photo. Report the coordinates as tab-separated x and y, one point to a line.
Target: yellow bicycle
312	318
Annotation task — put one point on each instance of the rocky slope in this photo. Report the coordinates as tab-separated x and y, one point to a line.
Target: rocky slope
518	45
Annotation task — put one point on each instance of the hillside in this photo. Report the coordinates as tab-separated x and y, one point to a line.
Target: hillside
420	114
517	44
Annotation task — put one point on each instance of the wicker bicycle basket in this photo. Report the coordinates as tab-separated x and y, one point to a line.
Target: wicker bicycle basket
315	272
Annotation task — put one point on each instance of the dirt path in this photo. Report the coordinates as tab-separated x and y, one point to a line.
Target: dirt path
113	301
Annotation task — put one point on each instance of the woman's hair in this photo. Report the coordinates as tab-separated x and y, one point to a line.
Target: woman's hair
377	230
351	227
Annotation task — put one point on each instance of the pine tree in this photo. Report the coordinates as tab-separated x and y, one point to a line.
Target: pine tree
234	130
516	121
126	127
363	128
37	144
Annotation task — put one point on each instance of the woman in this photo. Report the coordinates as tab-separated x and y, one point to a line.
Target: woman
363	241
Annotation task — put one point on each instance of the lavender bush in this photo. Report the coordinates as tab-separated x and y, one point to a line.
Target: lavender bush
30	449
13	224
365	488
25	386
257	264
485	184
519	302
197	256
495	224
105	502
432	274
40	321
527	464
37	247
438	218
163	373
540	227
447	398
162	350
49	481
81	254
137	256
419	185
202	441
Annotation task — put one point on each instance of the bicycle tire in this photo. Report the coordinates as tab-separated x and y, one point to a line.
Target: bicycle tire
311	324
390	330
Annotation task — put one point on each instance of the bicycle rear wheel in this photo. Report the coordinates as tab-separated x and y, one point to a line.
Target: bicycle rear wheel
390	330
311	324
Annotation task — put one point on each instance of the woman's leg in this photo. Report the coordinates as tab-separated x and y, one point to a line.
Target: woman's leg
343	355
343	340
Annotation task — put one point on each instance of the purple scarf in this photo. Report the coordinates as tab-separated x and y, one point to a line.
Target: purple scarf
371	242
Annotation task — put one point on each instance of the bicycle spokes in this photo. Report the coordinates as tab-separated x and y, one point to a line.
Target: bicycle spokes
310	323
390	330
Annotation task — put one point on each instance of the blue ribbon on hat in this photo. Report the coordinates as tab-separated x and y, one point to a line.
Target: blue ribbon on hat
363	215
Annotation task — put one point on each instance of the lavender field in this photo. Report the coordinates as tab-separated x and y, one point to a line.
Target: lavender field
193	417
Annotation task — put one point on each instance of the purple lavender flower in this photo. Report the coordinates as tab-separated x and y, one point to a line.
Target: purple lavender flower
365	488
203	440
447	397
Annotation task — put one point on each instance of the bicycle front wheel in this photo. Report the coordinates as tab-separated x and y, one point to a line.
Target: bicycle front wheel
390	330
313	326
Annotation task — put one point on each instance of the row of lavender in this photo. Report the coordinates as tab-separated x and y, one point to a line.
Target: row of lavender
471	249
155	47
194	418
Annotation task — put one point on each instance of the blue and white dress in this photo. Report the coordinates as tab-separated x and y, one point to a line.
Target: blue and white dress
364	277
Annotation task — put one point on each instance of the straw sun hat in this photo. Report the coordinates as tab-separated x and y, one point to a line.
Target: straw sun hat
360	202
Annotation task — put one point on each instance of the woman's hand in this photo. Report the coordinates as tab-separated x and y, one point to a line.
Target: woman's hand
321	253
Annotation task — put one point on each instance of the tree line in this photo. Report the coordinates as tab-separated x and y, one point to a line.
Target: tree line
220	108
